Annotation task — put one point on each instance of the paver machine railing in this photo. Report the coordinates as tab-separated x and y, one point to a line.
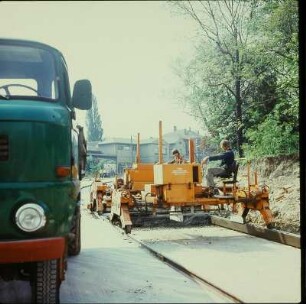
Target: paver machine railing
179	189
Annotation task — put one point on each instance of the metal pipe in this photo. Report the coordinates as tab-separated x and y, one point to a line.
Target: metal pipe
249	181
160	143
138	160
191	150
131	151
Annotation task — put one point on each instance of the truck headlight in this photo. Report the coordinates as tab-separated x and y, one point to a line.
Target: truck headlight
30	217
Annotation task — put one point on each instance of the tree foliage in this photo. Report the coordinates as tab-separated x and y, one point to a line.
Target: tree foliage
94	123
243	82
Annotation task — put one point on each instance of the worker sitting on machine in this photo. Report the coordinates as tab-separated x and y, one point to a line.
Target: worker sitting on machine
177	158
226	166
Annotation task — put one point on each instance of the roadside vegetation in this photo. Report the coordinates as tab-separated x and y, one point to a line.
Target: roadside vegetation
242	83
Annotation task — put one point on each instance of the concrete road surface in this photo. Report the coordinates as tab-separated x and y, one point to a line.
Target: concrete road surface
255	270
113	269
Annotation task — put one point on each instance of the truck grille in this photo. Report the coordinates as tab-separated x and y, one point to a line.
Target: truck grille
4	148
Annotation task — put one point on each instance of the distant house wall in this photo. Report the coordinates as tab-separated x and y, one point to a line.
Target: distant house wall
125	156
149	152
179	139
108	149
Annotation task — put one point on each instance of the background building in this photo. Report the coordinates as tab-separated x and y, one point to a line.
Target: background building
123	150
179	139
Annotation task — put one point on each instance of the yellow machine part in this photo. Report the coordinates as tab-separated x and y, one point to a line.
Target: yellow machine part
139	175
177	174
179	193
180	182
98	186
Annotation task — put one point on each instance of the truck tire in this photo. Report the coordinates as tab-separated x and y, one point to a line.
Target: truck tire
46	283
74	244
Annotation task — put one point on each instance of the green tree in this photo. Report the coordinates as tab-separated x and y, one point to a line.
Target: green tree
223	25
275	129
243	80
93	122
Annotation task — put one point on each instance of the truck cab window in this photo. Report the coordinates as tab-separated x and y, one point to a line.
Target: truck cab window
27	71
19	87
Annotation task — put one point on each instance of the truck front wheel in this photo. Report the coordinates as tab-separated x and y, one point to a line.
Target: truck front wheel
74	244
46	282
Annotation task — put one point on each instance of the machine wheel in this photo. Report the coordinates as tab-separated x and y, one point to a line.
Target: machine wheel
46	283
74	244
115	220
128	229
94	206
271	226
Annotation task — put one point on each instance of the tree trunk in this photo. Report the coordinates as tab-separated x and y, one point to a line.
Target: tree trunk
239	117
238	106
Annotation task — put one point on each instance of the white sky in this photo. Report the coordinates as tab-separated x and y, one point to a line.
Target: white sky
124	48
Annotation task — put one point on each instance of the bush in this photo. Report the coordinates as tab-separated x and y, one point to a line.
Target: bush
271	138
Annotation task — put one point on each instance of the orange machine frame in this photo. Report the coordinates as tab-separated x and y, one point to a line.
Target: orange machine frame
176	186
124	195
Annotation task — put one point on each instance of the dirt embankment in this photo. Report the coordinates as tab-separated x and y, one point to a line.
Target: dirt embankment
282	175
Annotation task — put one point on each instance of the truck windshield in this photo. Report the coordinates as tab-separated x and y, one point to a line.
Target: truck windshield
27	72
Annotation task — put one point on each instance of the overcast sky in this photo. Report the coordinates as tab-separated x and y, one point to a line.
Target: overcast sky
126	49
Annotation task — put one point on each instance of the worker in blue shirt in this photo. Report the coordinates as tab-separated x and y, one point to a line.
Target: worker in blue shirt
226	166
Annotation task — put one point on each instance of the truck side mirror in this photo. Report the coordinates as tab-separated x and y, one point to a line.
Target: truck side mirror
82	95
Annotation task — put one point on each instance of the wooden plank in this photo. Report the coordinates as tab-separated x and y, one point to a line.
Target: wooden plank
282	237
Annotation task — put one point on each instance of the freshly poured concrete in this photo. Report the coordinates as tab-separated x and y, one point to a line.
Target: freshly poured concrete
253	269
113	269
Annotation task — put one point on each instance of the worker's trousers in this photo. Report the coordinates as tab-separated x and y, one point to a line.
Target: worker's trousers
211	173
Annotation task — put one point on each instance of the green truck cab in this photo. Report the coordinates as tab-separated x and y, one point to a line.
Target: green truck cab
39	166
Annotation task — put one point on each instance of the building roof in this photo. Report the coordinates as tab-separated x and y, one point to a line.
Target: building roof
92	144
176	135
117	140
151	140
